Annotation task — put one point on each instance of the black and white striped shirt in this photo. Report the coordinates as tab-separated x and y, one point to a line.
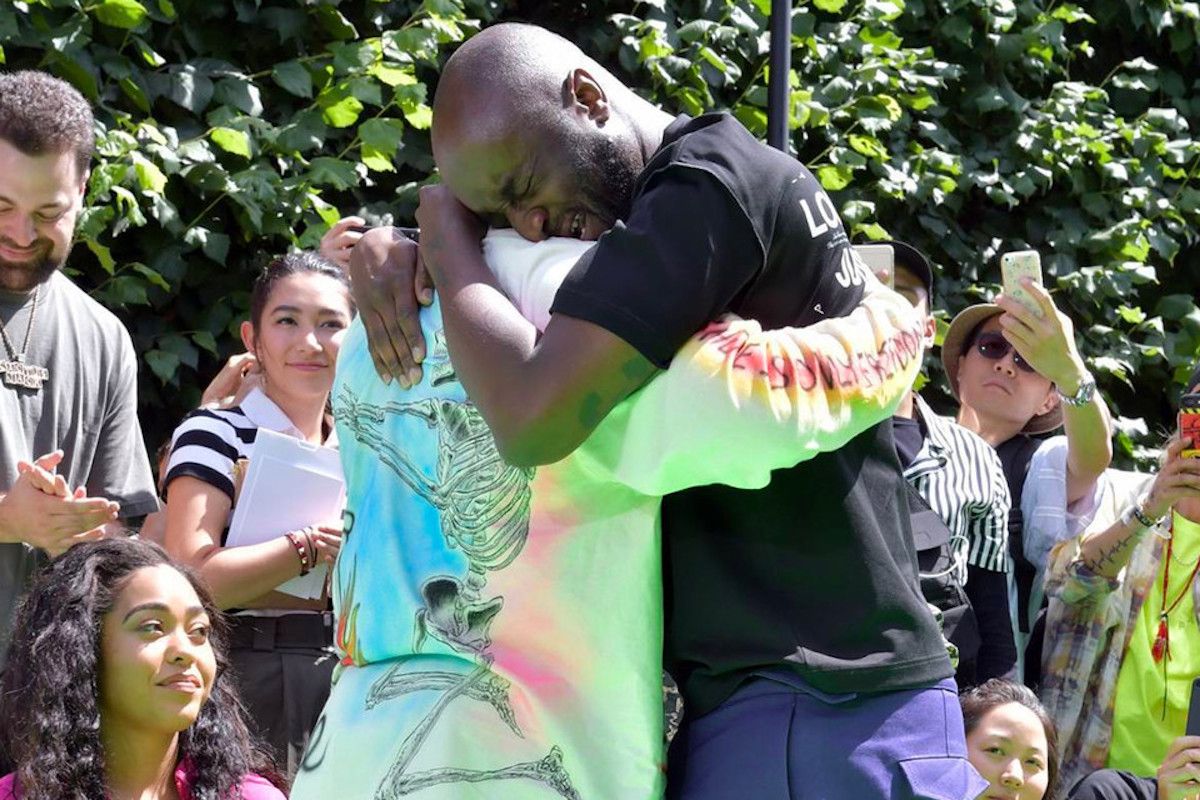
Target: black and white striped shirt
208	443
960	476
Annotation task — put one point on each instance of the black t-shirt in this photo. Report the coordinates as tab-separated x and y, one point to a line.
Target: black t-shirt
816	572
910	437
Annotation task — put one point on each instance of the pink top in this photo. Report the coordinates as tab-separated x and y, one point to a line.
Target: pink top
254	787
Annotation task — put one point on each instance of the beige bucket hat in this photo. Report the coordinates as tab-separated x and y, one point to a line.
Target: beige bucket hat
962	326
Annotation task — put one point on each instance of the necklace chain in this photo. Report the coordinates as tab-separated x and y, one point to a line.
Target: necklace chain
8	345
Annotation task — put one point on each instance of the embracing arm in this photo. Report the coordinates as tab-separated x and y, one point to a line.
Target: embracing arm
738	401
541	399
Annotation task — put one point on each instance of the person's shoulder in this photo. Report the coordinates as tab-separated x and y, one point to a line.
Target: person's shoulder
8	787
227	423
715	143
255	787
67	292
86	313
966	439
1051	445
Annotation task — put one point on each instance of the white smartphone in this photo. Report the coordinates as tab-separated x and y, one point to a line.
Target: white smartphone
1017	265
881	260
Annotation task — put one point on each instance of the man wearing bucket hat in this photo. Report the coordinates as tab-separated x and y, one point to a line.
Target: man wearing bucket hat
1017	375
958	477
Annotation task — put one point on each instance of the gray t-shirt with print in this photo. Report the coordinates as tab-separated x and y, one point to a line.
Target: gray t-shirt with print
87	408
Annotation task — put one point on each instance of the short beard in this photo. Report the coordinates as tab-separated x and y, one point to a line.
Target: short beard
24	276
607	177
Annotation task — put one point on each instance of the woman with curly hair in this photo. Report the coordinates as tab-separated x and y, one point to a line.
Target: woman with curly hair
116	687
1011	741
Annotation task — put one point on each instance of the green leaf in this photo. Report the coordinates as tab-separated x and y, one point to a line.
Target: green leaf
335	23
376	159
326	171
420	117
126	290
392	74
150	178
835	178
206	340
103	255
342	112
328	213
382	133
231	141
214	245
832	6
869	146
1134	316
163	364
127	14
293	77
152	276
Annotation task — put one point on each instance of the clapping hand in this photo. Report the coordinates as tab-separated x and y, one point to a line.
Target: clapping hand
40	509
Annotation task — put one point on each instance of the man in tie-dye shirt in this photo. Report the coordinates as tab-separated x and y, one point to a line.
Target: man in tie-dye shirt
500	627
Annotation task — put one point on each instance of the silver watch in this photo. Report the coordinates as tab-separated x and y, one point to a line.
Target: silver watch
1083	395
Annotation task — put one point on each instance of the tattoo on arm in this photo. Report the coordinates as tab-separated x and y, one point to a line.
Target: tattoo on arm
1108	559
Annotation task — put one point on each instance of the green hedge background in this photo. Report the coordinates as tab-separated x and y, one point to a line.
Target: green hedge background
230	130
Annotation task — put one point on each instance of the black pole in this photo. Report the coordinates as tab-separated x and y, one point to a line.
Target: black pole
778	94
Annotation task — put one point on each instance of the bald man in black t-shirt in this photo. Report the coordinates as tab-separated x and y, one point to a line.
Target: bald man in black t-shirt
784	605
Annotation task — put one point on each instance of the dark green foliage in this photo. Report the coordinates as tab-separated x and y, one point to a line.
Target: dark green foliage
968	127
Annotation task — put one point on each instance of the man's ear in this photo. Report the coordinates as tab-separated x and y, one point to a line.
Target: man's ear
83	184
584	91
248	337
930	332
1051	401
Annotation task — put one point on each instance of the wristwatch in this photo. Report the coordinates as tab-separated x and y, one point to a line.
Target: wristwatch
1083	395
1136	513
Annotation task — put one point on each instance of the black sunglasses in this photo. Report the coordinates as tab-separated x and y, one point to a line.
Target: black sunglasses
994	347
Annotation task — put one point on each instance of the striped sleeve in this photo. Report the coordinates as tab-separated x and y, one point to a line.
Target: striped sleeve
207	445
988	532
970	494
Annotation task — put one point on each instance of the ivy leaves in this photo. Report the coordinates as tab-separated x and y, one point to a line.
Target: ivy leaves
968	127
229	131
974	127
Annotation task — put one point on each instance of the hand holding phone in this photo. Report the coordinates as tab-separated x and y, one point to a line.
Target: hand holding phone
1189	424
881	260
1015	266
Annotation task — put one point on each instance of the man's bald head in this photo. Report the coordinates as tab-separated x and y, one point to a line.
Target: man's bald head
519	109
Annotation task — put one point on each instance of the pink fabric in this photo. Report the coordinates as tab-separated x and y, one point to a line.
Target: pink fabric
253	787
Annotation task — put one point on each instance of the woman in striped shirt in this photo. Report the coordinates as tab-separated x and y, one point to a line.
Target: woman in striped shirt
299	309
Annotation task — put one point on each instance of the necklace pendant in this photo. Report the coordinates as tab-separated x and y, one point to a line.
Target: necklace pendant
1159	649
15	373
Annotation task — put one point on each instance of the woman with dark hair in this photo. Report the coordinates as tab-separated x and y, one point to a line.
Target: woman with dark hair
116	688
281	644
1010	741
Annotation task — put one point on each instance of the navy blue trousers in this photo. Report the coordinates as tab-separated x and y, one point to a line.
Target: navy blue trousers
773	740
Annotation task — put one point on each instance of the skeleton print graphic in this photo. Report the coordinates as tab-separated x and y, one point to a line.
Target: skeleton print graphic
483	510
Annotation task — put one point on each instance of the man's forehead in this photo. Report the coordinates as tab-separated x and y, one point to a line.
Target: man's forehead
485	170
37	180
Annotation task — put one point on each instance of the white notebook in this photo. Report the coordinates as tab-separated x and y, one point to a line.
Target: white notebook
289	484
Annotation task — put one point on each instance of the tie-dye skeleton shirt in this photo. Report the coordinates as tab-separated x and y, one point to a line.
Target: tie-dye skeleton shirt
500	628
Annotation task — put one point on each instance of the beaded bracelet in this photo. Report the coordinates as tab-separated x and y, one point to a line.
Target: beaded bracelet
301	551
